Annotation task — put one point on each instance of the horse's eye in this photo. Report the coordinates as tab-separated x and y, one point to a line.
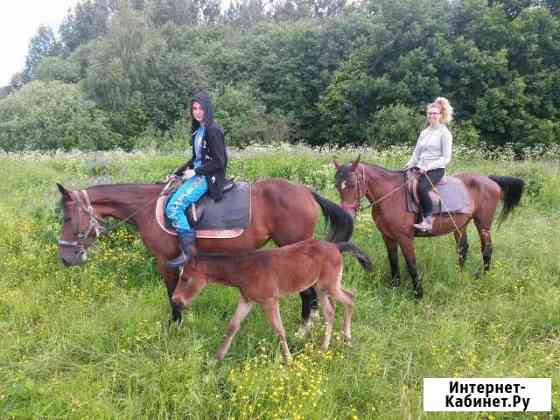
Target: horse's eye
66	219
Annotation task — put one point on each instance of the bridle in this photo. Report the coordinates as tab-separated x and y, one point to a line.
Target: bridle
361	192
95	225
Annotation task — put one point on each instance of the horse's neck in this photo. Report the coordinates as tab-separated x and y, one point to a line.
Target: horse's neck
380	181
122	202
223	270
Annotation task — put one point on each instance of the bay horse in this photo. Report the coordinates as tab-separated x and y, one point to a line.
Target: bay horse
264	276
386	191
282	212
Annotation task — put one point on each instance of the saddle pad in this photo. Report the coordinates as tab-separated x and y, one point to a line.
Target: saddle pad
451	197
233	211
241	212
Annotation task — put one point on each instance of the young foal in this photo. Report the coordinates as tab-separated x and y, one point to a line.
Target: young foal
264	276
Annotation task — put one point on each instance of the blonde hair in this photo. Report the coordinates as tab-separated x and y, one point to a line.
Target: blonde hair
444	107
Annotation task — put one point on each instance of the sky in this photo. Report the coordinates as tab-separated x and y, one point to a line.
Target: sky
19	21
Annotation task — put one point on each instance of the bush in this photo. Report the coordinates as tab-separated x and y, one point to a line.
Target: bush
53	115
244	120
394	124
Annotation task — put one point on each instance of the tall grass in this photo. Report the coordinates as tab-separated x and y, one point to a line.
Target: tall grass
93	341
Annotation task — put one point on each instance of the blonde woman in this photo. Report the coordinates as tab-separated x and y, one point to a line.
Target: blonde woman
431	155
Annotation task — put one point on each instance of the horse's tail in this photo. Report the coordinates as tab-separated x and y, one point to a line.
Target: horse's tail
512	189
362	258
341	224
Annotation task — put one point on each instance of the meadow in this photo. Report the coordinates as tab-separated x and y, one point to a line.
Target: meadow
94	341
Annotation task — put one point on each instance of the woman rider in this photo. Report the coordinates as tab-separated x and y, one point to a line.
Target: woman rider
204	172
431	156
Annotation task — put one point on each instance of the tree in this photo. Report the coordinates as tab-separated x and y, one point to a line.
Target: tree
89	20
53	115
43	44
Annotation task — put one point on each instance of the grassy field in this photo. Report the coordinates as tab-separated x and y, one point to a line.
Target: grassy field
93	341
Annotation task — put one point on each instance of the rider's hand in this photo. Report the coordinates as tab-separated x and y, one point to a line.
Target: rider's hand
170	178
189	173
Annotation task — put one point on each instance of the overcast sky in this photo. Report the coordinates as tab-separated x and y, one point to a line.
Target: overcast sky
19	21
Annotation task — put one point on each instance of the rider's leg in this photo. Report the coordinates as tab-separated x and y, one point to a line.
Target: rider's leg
424	187
190	192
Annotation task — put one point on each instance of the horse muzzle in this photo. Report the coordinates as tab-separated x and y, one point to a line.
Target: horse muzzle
77	258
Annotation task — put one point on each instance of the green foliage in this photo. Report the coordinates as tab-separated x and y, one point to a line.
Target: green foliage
244	119
395	124
87	21
58	68
327	69
53	115
42	45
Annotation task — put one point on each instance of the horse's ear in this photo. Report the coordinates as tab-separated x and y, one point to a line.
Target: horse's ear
355	163
336	164
64	192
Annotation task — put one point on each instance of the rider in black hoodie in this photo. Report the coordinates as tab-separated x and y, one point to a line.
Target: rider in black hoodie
204	172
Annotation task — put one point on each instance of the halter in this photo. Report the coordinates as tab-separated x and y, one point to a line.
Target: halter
356	205
95	223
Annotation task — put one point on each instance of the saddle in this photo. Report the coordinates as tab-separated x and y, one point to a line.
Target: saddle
450	195
227	218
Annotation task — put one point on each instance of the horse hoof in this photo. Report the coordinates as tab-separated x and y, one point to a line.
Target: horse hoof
395	284
302	332
418	294
315	314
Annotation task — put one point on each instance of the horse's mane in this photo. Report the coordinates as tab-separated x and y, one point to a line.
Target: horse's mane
344	171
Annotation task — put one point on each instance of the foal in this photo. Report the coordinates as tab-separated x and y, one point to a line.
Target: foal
264	276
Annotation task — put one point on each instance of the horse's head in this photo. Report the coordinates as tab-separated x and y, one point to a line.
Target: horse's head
80	229
193	279
351	186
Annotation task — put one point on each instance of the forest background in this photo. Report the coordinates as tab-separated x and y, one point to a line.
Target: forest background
119	73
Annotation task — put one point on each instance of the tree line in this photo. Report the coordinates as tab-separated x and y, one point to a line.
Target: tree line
118	73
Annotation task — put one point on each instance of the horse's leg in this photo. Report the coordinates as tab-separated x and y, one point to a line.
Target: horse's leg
171	278
243	309
407	248
393	253
462	245
272	311
328	315
347	300
485	241
309	305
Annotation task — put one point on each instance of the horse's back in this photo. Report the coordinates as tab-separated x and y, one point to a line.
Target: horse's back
288	209
479	183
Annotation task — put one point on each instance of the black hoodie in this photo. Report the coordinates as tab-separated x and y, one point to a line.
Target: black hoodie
213	151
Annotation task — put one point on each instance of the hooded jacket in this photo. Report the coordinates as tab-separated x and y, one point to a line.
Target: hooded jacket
213	150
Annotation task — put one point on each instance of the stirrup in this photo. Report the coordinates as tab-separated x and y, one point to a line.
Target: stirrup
179	261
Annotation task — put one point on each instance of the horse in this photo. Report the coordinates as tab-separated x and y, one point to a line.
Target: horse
264	276
384	189
282	212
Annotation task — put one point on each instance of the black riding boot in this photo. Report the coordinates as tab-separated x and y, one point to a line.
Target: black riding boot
187	244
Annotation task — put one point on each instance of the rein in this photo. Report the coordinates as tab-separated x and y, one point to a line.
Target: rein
96	223
356	205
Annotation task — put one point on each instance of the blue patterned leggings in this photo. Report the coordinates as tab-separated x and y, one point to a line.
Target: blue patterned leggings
190	192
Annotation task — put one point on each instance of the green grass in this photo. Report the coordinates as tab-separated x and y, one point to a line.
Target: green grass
94	342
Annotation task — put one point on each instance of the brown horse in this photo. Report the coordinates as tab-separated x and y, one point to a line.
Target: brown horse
281	211
264	276
386	192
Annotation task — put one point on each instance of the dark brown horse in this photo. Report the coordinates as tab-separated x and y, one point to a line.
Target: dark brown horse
386	191
263	277
281	211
